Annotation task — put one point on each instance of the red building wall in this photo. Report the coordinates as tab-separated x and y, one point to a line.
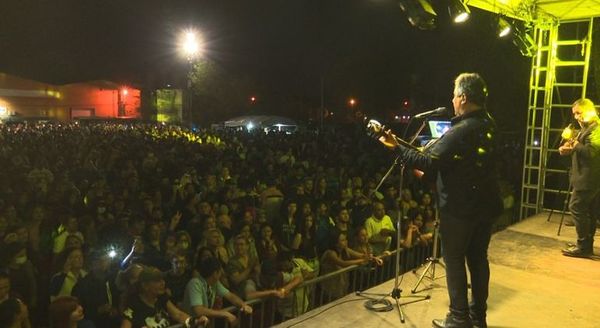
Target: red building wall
28	98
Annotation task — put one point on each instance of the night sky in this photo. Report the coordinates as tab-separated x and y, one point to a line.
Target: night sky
363	49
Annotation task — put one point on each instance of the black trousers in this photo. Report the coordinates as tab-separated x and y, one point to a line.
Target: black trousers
466	238
582	208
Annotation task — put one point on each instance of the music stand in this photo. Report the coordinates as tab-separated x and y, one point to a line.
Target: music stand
566	192
432	260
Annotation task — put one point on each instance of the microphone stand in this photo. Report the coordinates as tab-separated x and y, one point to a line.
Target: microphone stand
396	292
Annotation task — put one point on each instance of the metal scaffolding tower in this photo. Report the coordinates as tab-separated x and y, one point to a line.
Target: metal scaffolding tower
559	75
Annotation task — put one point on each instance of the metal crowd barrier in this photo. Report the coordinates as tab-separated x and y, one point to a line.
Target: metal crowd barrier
361	277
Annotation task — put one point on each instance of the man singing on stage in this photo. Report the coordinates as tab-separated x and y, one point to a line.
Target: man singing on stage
463	164
585	176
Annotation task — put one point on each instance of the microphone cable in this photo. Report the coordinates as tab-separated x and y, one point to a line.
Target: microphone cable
380	305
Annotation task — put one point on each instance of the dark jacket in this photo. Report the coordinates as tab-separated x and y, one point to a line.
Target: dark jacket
463	165
94	292
585	167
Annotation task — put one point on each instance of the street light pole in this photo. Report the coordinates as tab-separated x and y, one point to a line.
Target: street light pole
322	109
188	112
191	48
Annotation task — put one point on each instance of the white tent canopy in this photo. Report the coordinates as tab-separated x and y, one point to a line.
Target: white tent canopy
268	122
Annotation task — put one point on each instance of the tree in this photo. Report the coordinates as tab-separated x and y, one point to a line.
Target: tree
217	94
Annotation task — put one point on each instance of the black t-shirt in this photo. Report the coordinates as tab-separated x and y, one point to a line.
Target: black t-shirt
142	315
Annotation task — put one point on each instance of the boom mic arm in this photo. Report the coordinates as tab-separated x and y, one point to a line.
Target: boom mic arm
434	112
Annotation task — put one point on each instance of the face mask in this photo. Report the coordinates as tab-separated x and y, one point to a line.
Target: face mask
21	259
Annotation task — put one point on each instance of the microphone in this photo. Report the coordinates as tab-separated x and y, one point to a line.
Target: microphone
434	112
567	132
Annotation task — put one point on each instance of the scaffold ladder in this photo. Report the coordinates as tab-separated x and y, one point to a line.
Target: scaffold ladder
559	75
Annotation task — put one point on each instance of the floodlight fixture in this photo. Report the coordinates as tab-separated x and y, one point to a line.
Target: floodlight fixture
503	28
458	11
420	13
524	42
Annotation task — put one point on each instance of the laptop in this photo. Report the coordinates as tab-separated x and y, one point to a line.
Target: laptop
438	128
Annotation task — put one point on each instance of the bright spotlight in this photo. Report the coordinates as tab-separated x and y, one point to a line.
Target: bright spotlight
503	29
458	11
249	126
112	253
190	44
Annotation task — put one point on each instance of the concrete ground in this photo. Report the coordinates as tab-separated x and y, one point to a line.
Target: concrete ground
532	285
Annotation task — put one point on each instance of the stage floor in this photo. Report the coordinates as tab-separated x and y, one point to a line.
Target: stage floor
532	285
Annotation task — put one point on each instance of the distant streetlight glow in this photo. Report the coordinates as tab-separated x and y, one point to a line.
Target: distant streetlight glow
352	102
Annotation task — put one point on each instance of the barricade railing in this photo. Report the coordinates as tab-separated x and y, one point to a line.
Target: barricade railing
314	293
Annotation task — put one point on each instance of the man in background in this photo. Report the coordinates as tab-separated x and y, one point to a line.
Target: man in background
584	150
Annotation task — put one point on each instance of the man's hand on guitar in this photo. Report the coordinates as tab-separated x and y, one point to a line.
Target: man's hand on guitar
388	139
567	148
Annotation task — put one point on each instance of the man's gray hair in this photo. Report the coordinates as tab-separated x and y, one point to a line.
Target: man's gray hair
584	103
473	86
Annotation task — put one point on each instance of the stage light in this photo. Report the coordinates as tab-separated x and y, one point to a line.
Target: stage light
458	11
503	28
523	41
420	13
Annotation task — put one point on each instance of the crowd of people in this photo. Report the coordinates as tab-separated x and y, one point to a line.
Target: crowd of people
131	225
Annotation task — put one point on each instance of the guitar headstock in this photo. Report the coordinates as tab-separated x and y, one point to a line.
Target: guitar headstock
374	128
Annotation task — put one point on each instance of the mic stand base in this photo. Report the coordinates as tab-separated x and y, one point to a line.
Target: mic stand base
396	294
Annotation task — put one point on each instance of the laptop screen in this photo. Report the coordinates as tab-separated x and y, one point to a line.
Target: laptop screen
438	128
